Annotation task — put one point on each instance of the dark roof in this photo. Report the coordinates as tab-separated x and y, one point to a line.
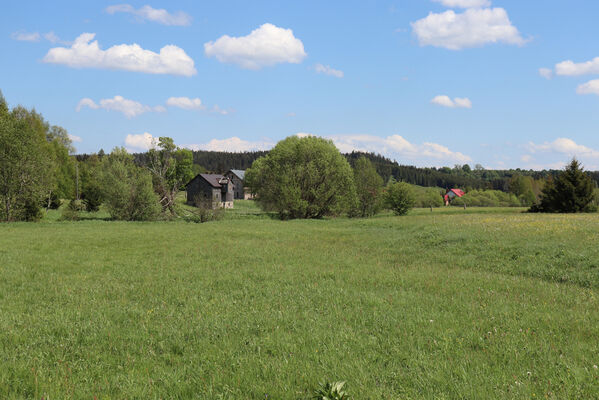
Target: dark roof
239	172
212	179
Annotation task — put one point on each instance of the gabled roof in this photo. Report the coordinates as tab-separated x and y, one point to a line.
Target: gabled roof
239	173
212	179
458	192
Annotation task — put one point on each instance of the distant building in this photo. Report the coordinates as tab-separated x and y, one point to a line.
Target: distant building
237	176
211	190
452	194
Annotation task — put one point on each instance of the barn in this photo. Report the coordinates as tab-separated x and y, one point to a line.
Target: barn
452	194
237	176
211	190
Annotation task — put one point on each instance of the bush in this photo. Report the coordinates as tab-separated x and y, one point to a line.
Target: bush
399	197
71	211
425	197
369	185
302	178
128	189
92	196
204	212
487	198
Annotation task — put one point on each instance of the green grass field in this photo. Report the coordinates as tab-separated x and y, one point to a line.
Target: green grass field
472	304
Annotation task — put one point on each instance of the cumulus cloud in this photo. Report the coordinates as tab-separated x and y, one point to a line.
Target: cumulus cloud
84	53
327	70
457	102
474	27
546	73
86	102
141	142
398	147
268	45
591	87
185	103
564	146
148	13
570	68
25	36
464	3
232	144
129	108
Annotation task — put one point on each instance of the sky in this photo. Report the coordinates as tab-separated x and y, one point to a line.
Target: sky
500	83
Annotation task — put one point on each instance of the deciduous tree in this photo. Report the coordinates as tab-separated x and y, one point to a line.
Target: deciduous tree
302	178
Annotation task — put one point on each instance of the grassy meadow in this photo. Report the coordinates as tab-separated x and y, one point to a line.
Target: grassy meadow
450	304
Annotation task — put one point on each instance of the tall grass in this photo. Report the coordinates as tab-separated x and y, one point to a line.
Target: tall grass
433	305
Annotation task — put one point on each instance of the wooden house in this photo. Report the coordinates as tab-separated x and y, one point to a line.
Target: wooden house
211	190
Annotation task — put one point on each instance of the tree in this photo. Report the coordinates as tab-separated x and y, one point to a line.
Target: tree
570	192
25	163
92	192
128	189
522	187
399	198
171	168
302	178
368	185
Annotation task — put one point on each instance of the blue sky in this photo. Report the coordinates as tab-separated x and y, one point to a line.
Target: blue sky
502	83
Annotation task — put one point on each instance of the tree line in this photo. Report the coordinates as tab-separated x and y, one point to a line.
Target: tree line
299	178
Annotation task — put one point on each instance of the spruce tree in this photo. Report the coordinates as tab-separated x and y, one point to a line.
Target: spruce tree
570	192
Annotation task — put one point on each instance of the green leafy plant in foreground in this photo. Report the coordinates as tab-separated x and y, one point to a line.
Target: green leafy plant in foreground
331	391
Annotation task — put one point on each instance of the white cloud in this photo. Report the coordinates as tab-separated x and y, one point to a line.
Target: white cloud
464	3
591	87
26	36
75	139
86	102
546	73
570	68
268	45
232	144
564	146
152	14
83	54
185	103
129	108
141	142
472	28
327	70
396	146
53	38
457	102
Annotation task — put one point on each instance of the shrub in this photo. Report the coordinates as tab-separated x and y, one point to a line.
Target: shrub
369	185
92	196
399	197
128	189
71	211
425	197
204	212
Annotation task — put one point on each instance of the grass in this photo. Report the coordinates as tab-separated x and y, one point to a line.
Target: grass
490	303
